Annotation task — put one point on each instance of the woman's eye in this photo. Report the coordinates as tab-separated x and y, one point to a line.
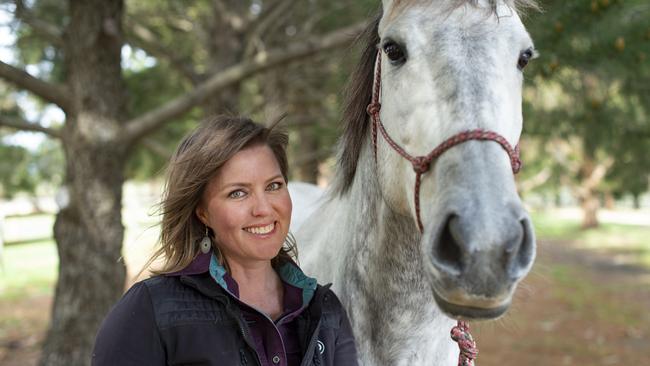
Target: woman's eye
237	194
395	52
524	58
274	186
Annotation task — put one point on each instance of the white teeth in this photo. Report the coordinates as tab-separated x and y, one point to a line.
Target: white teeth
261	230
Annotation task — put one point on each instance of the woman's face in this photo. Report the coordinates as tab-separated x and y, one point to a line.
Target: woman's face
248	207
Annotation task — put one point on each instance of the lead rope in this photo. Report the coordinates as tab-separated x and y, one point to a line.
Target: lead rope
460	333
468	351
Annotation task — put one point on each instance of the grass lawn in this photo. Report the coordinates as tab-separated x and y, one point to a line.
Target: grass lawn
29	260
28	269
625	243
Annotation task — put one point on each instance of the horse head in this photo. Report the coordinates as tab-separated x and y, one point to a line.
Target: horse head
448	67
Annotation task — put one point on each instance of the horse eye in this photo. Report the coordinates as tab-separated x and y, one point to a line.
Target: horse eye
395	52
524	58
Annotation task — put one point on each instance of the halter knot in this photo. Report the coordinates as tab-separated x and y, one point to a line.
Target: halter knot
421	164
468	351
373	108
515	160
516	165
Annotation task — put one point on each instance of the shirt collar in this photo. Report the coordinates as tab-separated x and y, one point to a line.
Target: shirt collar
289	272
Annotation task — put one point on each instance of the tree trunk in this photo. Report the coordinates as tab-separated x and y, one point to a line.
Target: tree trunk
88	228
636	201
591	175
590	206
307	149
610	201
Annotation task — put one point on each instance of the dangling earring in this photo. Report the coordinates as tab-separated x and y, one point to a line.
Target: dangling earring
206	242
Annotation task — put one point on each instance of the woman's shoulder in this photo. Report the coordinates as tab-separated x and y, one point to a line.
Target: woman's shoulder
152	291
329	302
163	288
327	295
143	290
138	298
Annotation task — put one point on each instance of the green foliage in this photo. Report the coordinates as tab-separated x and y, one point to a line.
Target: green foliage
32	46
14	172
149	88
591	84
194	36
22	170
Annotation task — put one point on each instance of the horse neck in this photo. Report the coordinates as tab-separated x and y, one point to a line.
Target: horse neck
383	272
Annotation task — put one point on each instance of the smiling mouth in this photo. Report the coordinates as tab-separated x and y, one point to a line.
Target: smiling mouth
261	230
469	312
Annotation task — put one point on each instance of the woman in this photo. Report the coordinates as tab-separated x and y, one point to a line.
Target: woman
228	292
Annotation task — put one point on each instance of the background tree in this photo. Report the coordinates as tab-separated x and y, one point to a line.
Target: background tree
590	91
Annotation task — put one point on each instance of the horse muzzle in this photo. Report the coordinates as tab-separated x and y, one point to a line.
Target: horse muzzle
476	262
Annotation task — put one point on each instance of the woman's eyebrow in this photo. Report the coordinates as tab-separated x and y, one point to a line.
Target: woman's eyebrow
245	184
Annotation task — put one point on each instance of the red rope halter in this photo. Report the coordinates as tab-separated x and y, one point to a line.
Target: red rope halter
421	164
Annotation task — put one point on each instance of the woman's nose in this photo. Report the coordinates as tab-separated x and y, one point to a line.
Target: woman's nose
261	205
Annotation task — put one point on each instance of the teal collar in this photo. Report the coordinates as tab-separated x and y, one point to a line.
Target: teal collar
289	273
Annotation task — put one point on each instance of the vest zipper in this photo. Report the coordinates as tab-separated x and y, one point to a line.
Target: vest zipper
244	335
242	357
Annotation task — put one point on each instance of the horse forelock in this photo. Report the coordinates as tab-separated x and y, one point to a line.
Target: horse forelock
355	120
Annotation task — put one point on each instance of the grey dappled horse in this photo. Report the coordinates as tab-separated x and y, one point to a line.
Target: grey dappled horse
447	66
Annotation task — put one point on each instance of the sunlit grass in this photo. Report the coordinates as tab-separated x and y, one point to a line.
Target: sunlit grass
581	294
628	243
29	261
28	269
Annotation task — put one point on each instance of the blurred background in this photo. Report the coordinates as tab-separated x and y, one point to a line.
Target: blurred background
95	95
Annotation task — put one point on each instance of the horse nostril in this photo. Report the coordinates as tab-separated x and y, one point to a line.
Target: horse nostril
447	251
524	253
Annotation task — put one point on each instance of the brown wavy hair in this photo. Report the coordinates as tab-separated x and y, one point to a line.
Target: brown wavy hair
197	159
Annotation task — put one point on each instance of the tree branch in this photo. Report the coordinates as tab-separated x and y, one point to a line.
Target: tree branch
53	93
141	37
598	173
22	125
535	181
235	19
267	20
152	120
157	148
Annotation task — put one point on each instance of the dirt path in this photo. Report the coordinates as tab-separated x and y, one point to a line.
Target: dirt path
575	308
20	341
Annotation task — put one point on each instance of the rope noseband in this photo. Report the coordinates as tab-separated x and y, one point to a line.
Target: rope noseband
421	164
